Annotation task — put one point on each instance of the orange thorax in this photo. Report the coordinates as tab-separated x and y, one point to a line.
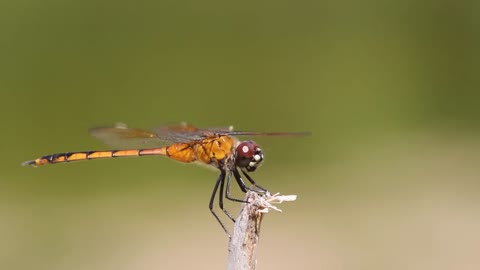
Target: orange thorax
208	151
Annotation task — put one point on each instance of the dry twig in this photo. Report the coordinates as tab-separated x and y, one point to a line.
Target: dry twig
244	241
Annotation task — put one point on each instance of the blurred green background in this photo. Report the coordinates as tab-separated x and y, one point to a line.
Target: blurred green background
389	178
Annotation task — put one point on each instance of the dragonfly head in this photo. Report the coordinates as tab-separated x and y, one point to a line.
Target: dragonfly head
249	156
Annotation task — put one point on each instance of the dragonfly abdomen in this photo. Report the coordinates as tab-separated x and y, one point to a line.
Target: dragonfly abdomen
88	155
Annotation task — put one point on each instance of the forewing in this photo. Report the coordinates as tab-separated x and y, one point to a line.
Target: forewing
185	133
259	133
122	136
128	137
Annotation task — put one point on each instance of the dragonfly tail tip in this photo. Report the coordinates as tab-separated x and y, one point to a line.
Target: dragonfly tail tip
29	163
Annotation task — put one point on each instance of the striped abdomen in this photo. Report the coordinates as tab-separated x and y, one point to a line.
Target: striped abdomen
181	152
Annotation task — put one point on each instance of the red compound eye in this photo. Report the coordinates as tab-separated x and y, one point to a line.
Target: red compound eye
246	149
249	156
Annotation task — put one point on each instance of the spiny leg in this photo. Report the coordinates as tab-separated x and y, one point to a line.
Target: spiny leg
220	197
240	181
220	180
253	182
241	184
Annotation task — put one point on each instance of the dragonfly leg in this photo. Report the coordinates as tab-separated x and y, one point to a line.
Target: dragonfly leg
253	182
220	181
220	197
240	182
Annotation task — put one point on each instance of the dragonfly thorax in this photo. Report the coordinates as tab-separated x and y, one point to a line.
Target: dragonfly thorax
248	156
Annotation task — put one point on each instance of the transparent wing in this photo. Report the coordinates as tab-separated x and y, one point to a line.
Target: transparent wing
184	132
260	133
127	137
121	135
183	127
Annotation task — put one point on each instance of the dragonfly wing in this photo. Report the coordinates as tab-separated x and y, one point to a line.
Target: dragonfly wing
189	131
259	133
120	135
185	133
127	137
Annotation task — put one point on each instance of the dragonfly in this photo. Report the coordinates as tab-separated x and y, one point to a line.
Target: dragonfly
215	147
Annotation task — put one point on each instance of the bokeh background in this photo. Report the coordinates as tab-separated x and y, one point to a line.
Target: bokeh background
389	178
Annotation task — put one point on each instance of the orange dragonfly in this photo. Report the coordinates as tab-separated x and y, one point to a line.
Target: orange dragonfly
215	147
